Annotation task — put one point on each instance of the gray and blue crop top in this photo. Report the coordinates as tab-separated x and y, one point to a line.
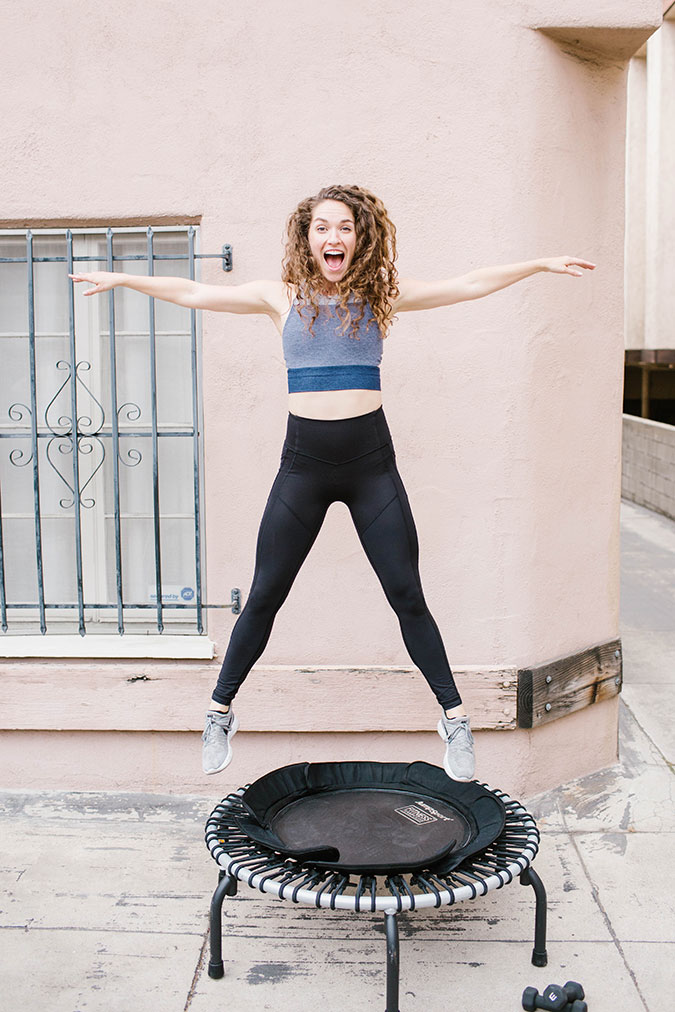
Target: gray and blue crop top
329	360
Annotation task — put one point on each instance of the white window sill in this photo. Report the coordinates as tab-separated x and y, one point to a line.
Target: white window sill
170	647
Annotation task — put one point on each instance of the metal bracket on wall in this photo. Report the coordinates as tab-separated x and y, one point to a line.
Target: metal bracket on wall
227	257
235	602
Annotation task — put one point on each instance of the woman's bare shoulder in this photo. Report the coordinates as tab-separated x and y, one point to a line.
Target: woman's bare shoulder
272	298
278	296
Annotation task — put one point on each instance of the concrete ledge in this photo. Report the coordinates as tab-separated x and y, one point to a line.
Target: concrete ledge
123	695
607	42
127	696
521	762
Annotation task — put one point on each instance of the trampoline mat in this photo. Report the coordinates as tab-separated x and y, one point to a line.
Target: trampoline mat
371	817
373	826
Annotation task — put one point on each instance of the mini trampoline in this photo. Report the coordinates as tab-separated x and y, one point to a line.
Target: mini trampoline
368	837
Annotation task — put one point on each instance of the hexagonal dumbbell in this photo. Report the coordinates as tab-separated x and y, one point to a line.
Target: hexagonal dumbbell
555	998
574	992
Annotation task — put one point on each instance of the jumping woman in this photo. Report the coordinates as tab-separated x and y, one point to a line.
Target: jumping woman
333	309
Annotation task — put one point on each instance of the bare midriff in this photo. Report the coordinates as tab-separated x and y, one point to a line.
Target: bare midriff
334	404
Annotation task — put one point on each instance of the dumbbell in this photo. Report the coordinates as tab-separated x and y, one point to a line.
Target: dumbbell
555	998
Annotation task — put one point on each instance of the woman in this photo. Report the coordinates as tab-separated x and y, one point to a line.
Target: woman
333	308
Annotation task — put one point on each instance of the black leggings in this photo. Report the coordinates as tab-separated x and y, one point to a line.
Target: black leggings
350	460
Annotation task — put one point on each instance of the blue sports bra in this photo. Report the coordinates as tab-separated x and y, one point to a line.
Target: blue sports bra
329	360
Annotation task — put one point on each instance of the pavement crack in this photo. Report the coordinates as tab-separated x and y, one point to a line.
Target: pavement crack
198	969
595	892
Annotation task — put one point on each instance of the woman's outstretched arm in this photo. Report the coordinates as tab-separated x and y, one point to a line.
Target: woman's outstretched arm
483	281
253	297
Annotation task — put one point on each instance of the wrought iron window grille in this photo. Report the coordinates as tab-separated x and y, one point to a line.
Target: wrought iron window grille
93	430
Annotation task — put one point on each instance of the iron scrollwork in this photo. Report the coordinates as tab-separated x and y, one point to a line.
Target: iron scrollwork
84	436
16	413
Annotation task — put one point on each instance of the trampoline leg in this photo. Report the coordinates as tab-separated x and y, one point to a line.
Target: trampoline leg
391	933
227	886
530	877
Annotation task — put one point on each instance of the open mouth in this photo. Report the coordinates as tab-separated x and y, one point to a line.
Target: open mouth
334	260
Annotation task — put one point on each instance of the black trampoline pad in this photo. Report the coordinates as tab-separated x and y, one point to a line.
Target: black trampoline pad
373	827
370	817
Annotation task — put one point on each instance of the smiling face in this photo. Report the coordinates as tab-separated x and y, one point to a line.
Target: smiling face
332	238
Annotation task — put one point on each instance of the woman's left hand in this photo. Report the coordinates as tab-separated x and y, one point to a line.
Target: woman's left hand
566	265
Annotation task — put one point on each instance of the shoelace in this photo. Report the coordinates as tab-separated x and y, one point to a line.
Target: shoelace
210	729
452	734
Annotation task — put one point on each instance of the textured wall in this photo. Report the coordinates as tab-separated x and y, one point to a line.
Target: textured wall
648	464
490	142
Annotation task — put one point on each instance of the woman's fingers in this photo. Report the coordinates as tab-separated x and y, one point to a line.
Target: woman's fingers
566	265
85	277
576	262
100	279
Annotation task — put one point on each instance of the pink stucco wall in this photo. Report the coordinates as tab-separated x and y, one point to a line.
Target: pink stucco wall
490	142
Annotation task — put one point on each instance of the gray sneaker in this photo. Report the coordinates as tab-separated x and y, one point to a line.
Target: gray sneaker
459	760
219	731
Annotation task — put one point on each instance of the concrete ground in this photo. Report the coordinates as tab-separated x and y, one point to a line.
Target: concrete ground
105	897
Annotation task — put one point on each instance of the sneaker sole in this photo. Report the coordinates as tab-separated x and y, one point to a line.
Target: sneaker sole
233	730
446	765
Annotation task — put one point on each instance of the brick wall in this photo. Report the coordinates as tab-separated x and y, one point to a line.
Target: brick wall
648	464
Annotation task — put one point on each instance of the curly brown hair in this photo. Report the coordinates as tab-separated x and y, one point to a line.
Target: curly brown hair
371	276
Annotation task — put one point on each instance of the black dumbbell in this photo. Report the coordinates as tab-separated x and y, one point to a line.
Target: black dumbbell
555	998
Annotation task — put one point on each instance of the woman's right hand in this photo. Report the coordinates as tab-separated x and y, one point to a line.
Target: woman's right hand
102	281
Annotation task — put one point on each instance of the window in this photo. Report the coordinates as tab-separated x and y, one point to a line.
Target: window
101	517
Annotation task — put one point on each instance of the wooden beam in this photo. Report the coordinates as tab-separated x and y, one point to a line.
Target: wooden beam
126	695
570	683
160	695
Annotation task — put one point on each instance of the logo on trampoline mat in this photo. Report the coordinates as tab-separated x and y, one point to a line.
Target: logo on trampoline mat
414	813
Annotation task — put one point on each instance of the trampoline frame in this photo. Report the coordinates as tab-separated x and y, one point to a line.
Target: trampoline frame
241	859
